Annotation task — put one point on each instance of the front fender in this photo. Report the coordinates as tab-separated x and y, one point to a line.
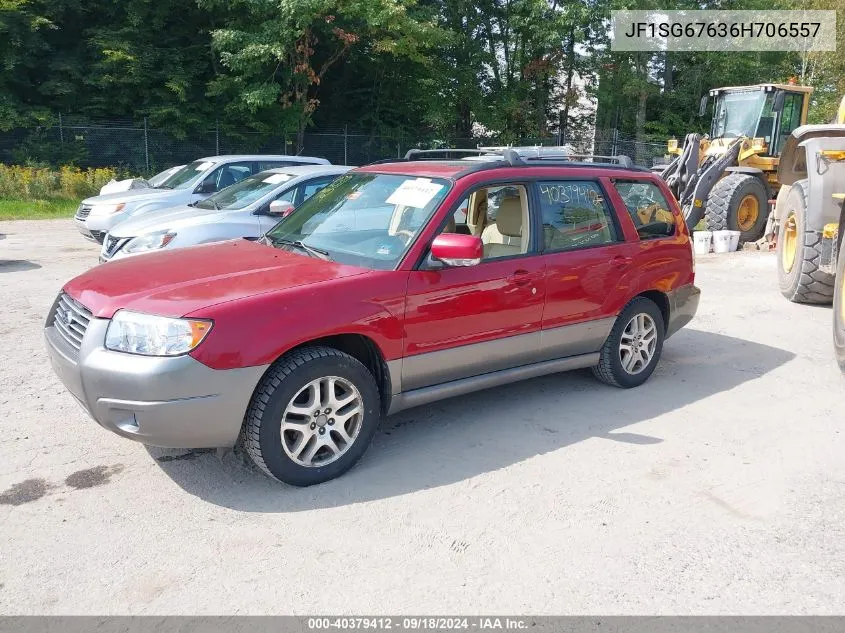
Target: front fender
258	330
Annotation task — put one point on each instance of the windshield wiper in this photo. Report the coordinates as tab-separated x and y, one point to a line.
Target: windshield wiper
314	252
162	187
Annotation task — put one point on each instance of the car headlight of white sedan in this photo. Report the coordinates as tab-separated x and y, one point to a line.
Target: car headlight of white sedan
150	242
150	335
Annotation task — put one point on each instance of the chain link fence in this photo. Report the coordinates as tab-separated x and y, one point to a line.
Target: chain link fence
143	149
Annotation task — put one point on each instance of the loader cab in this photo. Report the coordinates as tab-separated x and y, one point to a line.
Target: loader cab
766	113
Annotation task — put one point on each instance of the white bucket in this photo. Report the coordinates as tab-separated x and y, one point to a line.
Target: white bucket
701	242
722	241
734	239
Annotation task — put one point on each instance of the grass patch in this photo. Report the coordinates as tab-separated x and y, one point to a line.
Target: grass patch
36	209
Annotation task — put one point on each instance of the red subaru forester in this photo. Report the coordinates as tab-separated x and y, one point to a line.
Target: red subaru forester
399	284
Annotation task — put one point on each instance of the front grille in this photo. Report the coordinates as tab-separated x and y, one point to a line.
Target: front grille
71	318
113	244
98	235
83	211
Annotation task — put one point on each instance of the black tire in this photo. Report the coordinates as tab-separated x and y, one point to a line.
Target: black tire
610	369
723	204
839	304
802	281
261	436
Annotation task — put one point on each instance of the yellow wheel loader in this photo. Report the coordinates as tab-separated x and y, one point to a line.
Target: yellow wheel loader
729	176
809	220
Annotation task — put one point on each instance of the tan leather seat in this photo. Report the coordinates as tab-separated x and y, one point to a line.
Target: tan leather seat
504	237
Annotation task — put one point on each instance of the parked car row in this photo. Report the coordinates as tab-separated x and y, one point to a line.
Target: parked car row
249	208
388	288
98	215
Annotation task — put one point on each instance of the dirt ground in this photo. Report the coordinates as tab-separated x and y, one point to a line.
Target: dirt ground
717	487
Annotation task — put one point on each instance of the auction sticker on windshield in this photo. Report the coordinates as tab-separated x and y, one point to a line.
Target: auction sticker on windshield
203	166
276	179
415	193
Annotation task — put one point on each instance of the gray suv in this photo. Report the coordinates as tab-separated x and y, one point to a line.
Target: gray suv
196	181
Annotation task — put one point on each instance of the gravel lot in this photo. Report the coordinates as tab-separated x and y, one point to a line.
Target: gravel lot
718	487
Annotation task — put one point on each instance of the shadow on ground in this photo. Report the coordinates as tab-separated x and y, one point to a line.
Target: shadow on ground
456	439
17	265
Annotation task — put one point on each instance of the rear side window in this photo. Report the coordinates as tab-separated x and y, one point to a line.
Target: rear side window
647	207
575	215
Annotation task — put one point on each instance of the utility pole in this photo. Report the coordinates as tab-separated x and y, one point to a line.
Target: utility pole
146	146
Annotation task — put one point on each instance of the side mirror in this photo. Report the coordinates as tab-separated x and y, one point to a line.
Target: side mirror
780	97
457	249
702	106
206	186
280	208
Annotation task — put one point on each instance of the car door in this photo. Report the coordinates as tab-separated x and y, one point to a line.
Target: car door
662	253
466	321
588	266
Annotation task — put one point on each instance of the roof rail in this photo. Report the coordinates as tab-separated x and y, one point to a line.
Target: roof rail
515	156
621	159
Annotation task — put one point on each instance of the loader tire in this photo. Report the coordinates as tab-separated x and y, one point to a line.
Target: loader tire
839	305
799	253
738	202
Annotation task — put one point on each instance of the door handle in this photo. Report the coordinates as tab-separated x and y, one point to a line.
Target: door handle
521	277
621	261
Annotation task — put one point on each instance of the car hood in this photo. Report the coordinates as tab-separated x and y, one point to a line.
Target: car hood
135	195
182	281
171	218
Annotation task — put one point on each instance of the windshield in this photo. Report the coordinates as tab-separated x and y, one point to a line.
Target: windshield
737	113
363	219
186	176
160	177
244	193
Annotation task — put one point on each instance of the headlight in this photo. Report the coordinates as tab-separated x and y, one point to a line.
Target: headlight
149	242
107	209
149	335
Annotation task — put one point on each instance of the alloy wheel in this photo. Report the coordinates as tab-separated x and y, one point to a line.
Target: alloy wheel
638	343
321	421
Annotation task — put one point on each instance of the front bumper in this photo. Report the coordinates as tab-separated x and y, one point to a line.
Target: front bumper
683	304
95	227
174	402
94	236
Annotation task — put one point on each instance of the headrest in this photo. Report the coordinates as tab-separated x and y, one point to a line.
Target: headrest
509	217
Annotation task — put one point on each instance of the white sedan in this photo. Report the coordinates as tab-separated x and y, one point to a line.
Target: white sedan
248	209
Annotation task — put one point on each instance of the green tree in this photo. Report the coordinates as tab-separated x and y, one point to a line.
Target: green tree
276	54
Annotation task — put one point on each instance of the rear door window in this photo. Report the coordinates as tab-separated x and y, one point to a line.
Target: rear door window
575	215
308	189
228	174
648	208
